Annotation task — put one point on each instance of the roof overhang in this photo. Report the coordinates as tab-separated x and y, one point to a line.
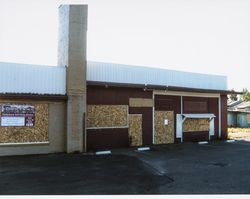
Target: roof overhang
37	97
238	111
160	87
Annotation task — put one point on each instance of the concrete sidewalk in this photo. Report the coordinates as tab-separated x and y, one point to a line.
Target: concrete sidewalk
215	168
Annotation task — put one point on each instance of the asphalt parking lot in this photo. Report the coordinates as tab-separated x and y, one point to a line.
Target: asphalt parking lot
189	168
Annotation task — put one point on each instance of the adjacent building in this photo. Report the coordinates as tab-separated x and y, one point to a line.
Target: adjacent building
239	114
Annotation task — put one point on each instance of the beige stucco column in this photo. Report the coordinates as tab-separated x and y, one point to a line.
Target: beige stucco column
72	54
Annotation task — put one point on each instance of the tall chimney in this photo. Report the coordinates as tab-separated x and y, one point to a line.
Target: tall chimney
72	54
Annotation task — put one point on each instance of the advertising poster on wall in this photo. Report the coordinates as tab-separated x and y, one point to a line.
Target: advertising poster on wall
17	115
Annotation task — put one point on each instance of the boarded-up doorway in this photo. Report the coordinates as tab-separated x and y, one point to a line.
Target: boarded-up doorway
135	129
163	127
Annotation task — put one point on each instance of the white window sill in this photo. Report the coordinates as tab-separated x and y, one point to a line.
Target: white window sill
24	144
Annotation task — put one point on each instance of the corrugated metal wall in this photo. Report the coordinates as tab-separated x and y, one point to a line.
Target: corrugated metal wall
232	119
35	79
118	73
238	119
242	120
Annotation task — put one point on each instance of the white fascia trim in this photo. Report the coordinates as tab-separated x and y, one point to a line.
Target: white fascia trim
219	102
181	104
189	94
24	143
153	118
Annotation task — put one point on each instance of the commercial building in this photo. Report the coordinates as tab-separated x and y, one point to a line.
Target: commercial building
85	106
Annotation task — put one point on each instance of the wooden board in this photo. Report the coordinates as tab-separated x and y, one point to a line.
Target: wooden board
140	102
147	124
135	129
37	133
107	116
192	125
163	134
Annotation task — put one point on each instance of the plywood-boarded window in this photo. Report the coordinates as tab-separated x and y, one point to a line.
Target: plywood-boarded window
135	129
193	124
36	133
163	132
105	116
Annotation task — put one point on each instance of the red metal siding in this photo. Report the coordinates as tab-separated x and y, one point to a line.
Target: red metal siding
114	95
113	138
168	103
195	105
195	136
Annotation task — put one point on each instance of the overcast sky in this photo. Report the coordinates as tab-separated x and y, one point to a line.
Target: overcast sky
207	36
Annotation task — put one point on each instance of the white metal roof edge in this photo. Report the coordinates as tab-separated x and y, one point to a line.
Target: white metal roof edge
32	79
131	74
28	65
154	68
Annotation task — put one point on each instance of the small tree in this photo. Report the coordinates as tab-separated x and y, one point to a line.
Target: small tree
246	95
233	96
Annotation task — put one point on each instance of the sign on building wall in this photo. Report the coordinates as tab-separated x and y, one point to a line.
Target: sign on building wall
17	115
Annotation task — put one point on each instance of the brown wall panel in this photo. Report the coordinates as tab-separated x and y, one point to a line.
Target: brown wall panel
147	126
100	139
114	95
100	95
195	136
223	116
195	104
168	103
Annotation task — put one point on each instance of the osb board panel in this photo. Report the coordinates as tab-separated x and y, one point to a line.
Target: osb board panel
140	102
37	133
191	124
147	123
163	134
107	116
135	129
